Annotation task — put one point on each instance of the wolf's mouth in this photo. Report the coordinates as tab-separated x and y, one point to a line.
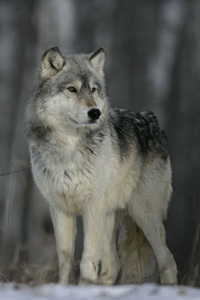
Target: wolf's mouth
84	124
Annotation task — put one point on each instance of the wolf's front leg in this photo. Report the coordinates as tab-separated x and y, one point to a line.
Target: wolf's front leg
93	221
65	231
109	258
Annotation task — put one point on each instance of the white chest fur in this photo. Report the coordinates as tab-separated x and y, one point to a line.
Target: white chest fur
64	173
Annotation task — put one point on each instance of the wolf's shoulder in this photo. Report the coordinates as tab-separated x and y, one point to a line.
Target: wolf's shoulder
139	127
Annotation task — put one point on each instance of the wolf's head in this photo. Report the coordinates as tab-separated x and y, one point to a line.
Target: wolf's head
71	90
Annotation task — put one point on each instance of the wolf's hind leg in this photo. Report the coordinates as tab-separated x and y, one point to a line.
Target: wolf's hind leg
153	229
110	260
65	231
168	271
138	260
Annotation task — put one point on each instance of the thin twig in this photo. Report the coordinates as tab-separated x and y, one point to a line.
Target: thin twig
12	172
3	277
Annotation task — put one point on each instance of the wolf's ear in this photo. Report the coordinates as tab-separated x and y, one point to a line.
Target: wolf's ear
52	62
97	60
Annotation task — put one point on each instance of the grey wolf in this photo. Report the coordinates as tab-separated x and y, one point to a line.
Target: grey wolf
90	159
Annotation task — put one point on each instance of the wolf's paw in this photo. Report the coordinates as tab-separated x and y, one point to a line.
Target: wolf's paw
109	273
87	281
107	279
88	272
168	275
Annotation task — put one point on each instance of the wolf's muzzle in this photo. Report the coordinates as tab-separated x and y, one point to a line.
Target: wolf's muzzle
94	114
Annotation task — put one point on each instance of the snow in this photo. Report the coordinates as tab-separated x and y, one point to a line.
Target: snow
12	291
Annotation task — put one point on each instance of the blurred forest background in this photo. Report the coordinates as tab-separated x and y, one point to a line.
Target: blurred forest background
153	63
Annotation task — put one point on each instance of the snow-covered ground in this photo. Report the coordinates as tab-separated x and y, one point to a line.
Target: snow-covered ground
12	291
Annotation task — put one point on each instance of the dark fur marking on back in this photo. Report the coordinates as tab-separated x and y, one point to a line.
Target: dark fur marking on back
143	128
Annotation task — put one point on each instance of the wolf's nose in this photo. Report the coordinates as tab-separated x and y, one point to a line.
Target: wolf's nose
94	114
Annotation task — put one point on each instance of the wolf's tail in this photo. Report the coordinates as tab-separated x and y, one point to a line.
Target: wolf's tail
138	262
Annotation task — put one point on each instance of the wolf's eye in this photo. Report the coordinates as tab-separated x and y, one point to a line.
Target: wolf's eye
93	89
72	89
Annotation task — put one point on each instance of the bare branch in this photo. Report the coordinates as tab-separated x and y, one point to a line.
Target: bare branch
15	171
